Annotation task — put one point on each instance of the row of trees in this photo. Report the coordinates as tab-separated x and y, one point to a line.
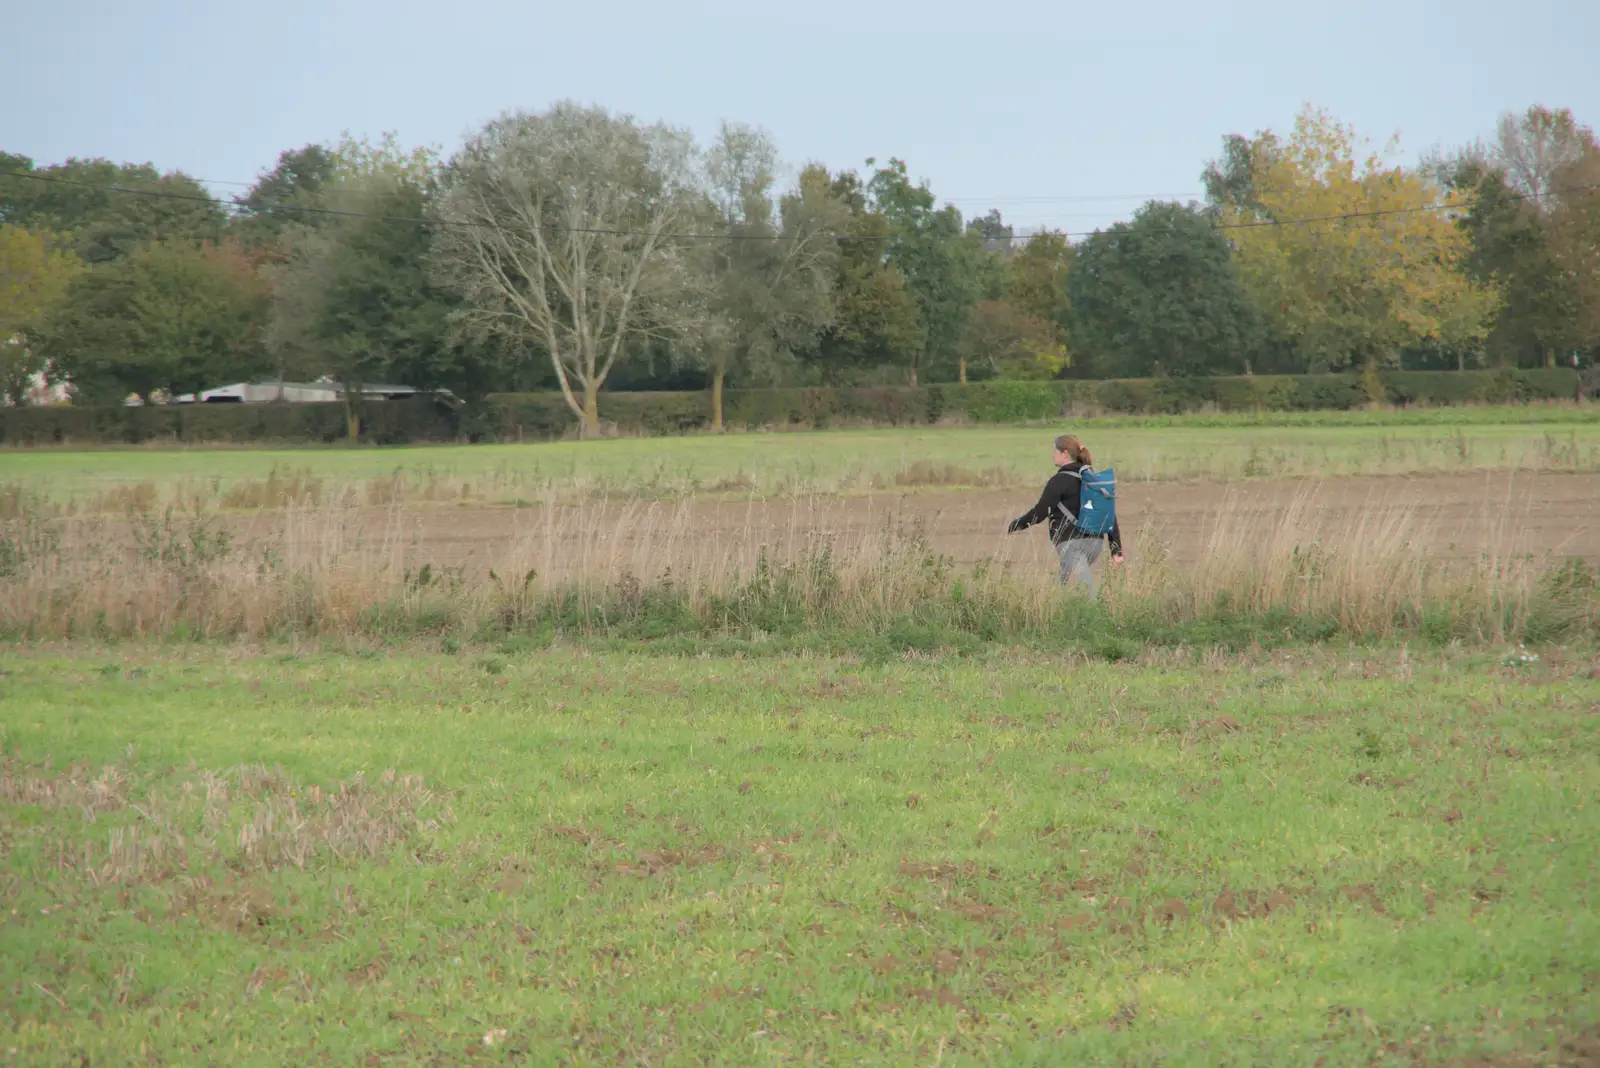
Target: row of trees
576	249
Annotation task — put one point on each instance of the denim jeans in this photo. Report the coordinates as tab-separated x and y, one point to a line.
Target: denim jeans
1078	556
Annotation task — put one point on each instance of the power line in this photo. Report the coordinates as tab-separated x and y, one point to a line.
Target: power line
1251	225
1069	199
162	194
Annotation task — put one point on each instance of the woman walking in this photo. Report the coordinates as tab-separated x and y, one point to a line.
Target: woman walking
1060	504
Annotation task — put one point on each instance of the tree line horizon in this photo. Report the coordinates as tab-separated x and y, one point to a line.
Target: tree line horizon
576	249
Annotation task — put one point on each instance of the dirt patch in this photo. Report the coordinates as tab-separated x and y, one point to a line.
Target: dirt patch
1221	725
1363	895
937	871
886	964
654	862
1366	778
1560	513
226	906
1250	904
934	995
975	910
1171	911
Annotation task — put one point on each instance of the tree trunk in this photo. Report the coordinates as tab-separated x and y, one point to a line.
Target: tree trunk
591	411
716	399
1461	360
1550	359
913	378
963	369
1373	381
352	412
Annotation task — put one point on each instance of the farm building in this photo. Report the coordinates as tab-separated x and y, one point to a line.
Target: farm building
322	391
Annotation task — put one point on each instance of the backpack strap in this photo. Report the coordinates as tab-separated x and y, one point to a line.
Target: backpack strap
1062	505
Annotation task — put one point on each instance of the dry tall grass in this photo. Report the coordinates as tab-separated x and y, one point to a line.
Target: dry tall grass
322	570
1375	572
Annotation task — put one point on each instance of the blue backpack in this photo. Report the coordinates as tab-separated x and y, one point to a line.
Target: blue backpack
1097	502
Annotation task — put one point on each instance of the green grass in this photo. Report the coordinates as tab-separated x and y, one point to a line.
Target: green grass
853	461
622	858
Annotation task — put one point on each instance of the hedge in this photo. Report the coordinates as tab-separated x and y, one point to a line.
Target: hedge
544	416
536	416
383	423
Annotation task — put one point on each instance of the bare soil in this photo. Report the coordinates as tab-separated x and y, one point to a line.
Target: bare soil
1458	515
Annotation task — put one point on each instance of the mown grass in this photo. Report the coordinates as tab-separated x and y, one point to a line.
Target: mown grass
843	461
596	858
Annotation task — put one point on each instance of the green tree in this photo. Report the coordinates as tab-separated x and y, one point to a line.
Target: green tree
993	230
1037	280
102	223
354	295
1014	344
379	315
876	319
1160	294
1509	248
1575	246
770	277
942	263
35	273
1512	194
1230	178
171	316
274	205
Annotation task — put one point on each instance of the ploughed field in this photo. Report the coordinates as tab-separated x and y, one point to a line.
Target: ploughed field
1458	515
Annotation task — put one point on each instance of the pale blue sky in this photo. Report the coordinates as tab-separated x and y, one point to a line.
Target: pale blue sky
1044	110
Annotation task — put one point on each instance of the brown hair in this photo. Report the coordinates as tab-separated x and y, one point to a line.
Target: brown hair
1074	448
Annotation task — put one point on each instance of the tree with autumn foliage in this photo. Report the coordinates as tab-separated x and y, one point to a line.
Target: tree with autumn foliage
1352	259
36	269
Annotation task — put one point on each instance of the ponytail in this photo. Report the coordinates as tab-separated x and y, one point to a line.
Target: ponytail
1073	448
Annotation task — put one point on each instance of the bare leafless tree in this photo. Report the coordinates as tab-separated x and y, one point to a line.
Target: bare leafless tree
561	230
1532	146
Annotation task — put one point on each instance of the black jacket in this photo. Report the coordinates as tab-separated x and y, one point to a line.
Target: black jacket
1063	488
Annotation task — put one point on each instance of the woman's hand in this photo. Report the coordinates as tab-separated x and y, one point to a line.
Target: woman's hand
1014	526
1116	559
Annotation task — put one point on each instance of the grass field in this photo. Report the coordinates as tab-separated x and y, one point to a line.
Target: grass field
703	780
598	858
838	462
